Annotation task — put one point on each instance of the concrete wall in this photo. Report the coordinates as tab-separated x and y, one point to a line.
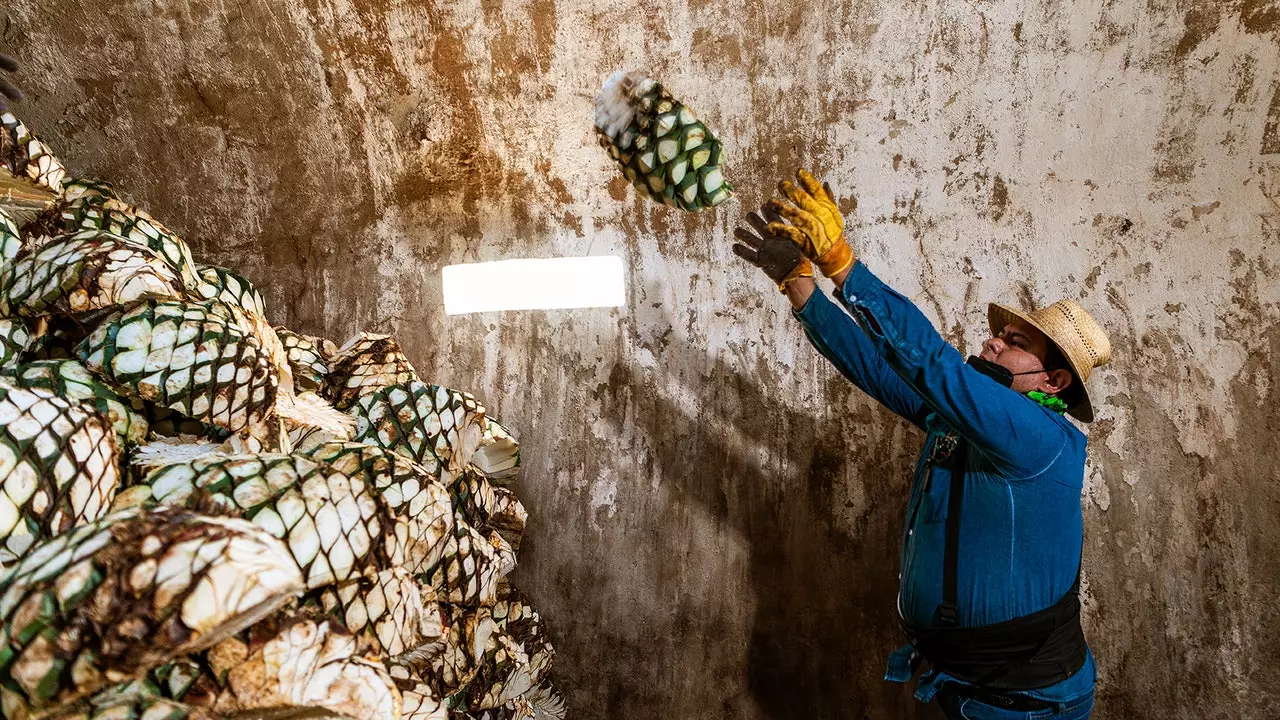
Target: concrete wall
715	513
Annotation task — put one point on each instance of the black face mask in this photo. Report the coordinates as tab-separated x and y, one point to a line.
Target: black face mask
999	373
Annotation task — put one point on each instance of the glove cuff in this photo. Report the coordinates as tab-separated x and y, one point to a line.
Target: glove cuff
804	269
836	260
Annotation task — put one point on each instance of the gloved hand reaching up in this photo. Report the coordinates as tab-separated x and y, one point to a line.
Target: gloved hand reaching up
816	225
780	258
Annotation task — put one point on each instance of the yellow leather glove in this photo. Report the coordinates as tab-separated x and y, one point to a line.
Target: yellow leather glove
816	224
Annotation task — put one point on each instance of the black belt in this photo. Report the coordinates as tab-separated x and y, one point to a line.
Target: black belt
1005	701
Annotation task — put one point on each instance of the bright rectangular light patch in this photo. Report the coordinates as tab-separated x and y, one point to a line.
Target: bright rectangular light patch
534	284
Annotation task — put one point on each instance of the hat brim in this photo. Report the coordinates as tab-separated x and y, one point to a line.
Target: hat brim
998	316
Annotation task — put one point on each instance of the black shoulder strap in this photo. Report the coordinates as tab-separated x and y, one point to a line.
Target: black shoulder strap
947	613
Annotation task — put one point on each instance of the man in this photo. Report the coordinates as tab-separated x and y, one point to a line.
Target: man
991	551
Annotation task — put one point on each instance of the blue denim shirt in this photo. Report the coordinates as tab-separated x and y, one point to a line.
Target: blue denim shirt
1021	528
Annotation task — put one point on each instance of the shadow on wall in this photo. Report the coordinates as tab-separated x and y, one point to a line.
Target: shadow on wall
824	591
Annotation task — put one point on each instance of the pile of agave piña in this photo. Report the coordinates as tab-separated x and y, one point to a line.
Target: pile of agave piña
204	516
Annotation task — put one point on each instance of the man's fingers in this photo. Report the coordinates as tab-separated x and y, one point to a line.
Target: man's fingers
8	64
799	196
747	238
810	183
789	232
757	222
751	255
8	90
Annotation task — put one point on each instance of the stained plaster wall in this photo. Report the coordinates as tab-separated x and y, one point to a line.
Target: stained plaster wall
715	513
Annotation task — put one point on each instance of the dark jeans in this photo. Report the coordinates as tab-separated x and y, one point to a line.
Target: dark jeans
956	708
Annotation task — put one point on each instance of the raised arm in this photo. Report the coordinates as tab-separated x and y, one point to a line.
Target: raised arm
1001	423
997	420
848	348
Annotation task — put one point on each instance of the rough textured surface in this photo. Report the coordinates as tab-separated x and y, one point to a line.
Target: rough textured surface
694	549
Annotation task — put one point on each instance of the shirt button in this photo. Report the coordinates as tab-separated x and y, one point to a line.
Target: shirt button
910	533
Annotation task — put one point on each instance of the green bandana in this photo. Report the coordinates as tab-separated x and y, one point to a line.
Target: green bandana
1053	402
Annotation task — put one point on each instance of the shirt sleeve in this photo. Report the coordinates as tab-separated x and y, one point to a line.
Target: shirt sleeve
1004	425
841	341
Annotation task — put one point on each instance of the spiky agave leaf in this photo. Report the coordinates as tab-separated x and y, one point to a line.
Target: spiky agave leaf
195	358
331	523
422	421
71	379
547	702
365	364
389	612
109	600
419	508
303	664
664	151
470	566
89	270
30	176
58	466
230	287
310	368
498	456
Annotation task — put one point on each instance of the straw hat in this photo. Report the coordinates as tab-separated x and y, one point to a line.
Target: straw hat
1081	339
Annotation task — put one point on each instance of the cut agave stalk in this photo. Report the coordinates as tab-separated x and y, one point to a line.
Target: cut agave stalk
305	664
72	380
662	148
89	270
547	702
471	566
222	284
498	456
108	601
195	358
156	454
58	465
365	364
388	612
305	358
331	523
30	176
420	514
422	421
